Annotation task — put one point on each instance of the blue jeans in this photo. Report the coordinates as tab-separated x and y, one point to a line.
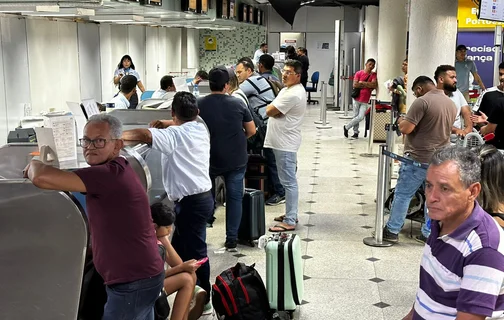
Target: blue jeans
234	197
286	164
359	112
410	179
189	238
133	300
273	172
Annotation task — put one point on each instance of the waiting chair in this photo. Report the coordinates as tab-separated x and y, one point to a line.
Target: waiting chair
314	87
146	95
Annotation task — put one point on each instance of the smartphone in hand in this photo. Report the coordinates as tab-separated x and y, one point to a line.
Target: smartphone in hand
202	261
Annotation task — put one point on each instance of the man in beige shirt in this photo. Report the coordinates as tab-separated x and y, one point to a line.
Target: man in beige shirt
427	127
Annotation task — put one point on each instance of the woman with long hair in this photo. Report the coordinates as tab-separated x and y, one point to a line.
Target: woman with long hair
234	87
491	197
124	68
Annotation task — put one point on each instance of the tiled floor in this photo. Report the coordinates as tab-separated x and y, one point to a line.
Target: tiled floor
344	279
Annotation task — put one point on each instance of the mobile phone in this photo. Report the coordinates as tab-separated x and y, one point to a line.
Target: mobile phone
202	261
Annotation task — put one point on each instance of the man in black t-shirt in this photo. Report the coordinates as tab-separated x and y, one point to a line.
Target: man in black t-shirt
496	124
484	104
230	124
303	58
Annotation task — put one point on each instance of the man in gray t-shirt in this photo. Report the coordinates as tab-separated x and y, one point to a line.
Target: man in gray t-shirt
464	67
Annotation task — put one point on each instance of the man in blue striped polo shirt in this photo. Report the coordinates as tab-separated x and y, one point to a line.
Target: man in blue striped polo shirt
462	268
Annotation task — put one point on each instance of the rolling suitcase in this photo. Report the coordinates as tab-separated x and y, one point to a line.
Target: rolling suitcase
284	272
253	224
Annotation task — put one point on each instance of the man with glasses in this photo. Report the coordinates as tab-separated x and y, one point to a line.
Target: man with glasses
427	127
124	244
260	93
283	136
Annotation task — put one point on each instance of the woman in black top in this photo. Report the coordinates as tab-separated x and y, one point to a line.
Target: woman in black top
491	197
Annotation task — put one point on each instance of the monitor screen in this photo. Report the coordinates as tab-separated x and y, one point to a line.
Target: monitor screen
232	9
251	14
204	7
224	8
244	12
192	6
491	10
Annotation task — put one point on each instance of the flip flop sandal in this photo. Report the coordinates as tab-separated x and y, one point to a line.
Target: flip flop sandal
283	229
281	218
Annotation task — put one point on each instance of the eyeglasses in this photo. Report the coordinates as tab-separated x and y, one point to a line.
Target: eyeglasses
97	143
288	73
415	91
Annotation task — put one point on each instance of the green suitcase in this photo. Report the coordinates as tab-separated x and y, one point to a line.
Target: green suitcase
284	272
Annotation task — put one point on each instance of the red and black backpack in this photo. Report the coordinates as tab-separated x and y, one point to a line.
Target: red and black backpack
239	294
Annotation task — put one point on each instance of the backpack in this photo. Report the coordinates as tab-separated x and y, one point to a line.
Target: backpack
416	206
256	142
239	294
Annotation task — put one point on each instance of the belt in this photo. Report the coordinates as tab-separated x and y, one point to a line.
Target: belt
196	196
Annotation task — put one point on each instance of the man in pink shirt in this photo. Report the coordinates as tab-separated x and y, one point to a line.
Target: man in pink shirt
365	80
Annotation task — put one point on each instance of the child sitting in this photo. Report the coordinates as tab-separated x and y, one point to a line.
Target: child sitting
181	276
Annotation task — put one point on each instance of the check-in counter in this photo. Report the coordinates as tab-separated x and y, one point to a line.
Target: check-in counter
43	240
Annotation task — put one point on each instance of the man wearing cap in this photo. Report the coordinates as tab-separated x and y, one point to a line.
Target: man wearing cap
463	67
230	124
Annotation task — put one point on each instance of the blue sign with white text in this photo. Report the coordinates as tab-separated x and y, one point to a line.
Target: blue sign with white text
480	49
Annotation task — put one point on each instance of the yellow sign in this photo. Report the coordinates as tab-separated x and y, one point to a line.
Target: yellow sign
210	43
468	17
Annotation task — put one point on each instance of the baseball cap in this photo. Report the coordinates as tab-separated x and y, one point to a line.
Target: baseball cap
461	47
219	76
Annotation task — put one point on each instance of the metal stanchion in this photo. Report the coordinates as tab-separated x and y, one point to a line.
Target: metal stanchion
370	153
377	240
343	103
323	109
390	128
323	103
347	84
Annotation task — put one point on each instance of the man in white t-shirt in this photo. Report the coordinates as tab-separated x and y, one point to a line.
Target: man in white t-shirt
446	79
128	88
166	86
263	49
283	136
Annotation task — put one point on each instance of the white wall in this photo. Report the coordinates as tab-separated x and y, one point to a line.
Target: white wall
88	35
53	64
47	63
320	60
308	19
15	74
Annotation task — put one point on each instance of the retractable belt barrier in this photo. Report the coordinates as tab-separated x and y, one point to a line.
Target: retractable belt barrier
405	160
381	193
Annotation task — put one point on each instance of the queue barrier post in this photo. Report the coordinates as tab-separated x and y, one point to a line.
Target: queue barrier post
323	124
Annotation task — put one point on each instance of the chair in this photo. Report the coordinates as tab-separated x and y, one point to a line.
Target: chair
314	81
146	95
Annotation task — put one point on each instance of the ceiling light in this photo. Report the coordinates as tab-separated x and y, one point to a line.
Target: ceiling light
304	3
118	18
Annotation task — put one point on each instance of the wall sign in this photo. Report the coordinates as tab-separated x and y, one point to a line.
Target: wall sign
210	43
480	49
468	17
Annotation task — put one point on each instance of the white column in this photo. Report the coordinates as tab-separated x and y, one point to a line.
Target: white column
392	34
370	32
432	38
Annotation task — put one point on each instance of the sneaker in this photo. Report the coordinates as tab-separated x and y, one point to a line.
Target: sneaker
421	238
208	309
230	244
198	305
355	136
389	236
275	200
345	131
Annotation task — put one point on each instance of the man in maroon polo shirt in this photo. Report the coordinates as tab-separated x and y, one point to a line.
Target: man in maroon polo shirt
123	240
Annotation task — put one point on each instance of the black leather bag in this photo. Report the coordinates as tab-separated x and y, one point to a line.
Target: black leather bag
356	91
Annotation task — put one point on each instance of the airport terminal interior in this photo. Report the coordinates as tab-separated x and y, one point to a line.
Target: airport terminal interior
64	62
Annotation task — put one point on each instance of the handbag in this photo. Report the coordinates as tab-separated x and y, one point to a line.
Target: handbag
356	91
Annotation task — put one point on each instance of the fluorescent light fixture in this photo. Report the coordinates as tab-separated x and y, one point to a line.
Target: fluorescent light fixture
7	8
304	3
117	18
64	12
